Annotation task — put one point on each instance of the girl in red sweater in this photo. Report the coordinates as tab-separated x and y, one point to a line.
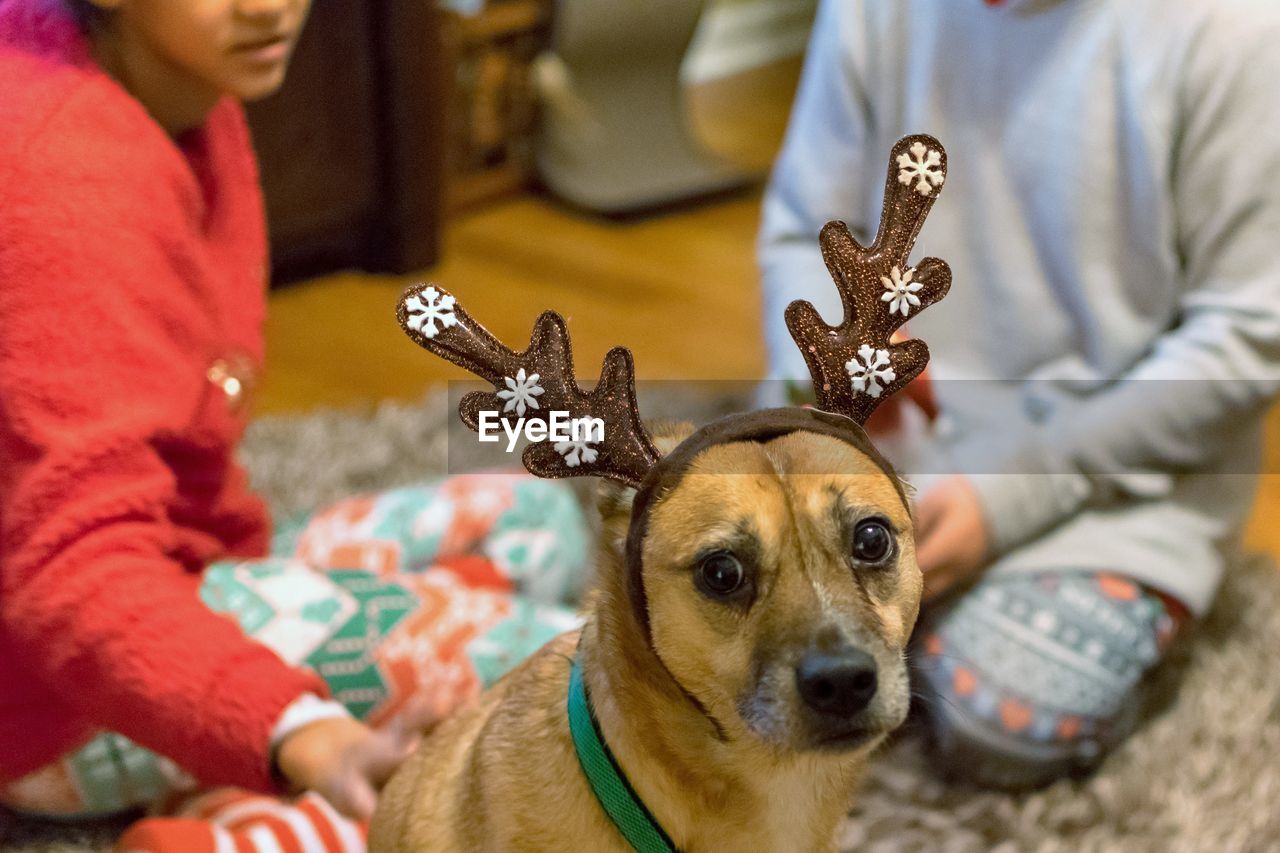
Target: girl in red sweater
132	268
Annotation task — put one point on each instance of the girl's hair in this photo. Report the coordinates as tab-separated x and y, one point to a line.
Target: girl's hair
86	14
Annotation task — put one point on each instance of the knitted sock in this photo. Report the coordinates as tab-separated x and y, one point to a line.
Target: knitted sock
232	821
1049	658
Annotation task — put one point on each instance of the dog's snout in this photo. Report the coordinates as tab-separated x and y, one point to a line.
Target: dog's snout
840	683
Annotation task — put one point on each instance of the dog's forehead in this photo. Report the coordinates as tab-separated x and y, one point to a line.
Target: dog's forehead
730	496
799	441
809	472
767	426
810	454
818	470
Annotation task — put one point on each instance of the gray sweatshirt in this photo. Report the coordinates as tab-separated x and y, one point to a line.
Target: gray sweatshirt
1112	218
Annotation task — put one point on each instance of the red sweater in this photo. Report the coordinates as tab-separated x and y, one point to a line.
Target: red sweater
128	264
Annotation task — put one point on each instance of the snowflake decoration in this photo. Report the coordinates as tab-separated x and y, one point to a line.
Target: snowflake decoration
437	307
522	392
870	371
577	452
921	166
900	291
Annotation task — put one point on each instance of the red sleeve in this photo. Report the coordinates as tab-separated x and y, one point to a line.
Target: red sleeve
101	367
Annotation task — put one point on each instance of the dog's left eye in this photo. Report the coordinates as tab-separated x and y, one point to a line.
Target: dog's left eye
720	574
872	541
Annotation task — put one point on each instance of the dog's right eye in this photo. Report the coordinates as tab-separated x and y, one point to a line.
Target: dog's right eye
720	574
872	541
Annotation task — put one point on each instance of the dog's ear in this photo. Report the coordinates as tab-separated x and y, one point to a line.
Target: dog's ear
613	499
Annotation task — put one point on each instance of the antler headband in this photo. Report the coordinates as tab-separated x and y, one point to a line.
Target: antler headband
855	365
534	384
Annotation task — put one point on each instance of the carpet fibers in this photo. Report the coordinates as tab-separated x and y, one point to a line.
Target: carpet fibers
1202	774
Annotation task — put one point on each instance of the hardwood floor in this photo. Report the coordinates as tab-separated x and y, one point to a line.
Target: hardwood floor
1263	532
680	289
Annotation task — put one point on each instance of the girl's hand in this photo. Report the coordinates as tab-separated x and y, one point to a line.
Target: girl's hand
345	761
951	535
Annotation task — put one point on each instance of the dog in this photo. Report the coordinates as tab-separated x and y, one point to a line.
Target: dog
744	650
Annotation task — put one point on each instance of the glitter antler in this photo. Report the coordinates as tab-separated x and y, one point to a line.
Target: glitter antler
533	384
856	365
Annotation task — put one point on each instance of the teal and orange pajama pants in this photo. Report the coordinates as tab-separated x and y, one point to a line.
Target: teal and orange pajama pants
430	592
436	591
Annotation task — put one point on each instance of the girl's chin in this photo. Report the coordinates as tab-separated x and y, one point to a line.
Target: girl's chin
256	84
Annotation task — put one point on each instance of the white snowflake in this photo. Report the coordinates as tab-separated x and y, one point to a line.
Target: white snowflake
922	166
436	307
901	291
870	372
522	392
577	452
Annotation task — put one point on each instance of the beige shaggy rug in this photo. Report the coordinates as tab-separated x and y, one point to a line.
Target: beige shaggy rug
1203	774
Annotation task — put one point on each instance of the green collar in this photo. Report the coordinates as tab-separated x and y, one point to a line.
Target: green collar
619	801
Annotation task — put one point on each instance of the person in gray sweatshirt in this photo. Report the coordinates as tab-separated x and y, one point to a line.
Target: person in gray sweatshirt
1108	350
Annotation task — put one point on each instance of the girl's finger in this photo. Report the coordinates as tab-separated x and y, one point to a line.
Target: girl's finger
385	756
422	715
354	797
364	800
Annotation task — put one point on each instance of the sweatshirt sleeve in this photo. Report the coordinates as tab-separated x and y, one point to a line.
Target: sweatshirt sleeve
1220	365
100	339
818	177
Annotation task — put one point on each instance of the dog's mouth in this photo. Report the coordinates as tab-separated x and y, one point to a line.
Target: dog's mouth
845	740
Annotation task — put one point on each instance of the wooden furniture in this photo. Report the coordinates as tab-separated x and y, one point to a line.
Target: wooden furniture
352	148
494	100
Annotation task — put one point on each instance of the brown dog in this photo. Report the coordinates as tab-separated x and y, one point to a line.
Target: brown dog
744	652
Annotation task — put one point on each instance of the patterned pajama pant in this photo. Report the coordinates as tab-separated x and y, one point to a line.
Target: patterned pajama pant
435	590
439	590
1027	679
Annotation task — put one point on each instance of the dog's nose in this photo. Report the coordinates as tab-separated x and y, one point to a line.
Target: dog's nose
840	683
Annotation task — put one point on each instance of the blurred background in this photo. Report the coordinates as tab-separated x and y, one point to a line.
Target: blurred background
603	159
525	154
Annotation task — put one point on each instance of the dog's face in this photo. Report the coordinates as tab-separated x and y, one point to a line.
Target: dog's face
783	599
